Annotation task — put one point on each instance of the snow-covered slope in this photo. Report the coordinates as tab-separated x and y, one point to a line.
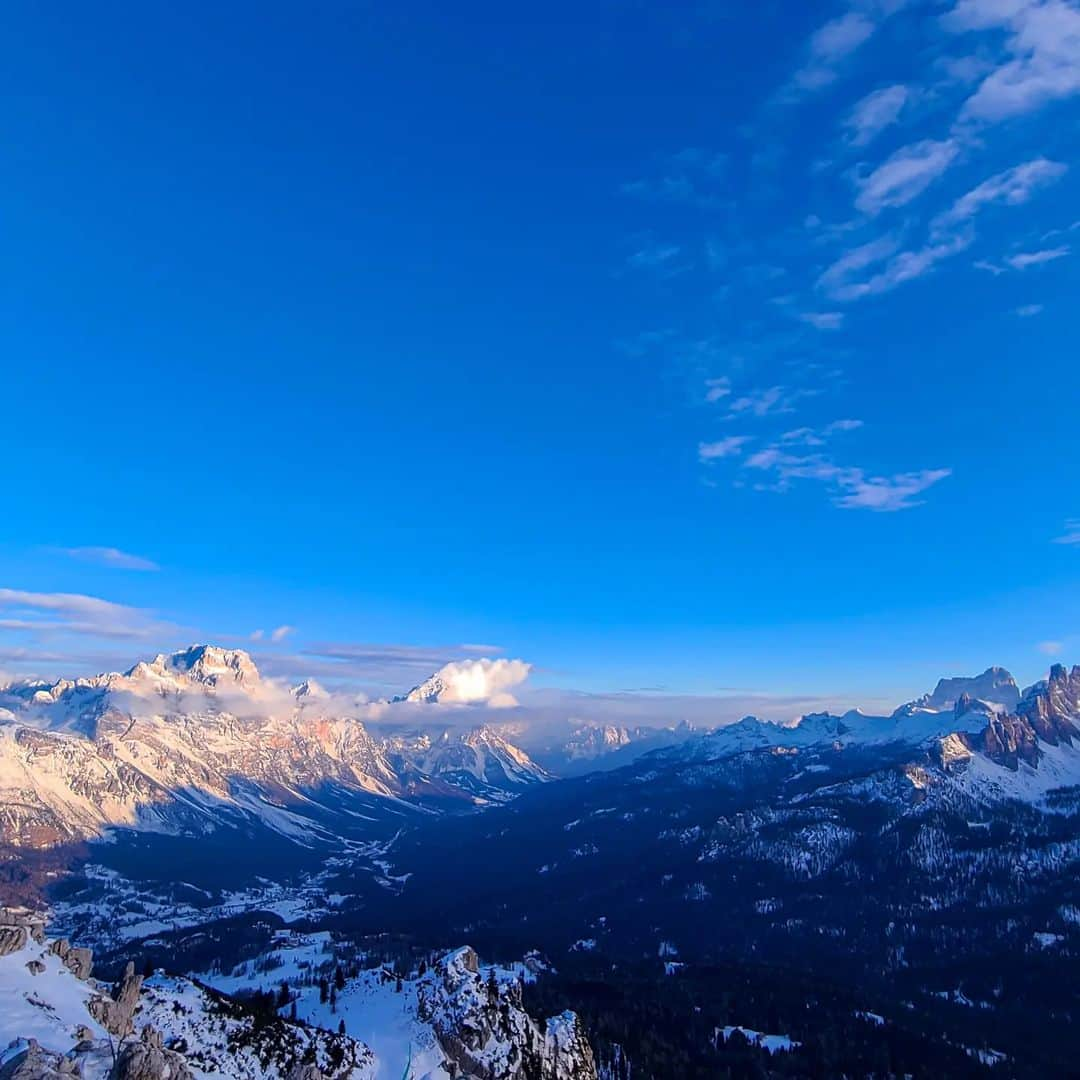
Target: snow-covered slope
450	1019
1020	750
198	739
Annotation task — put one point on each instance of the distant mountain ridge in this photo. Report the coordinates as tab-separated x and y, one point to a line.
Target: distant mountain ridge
197	739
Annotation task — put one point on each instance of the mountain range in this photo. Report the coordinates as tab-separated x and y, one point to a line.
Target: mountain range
920	866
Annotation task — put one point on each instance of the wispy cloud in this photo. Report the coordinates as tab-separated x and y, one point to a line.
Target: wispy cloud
662	259
280	633
823	320
717	389
1041	60
889	493
1050	648
1025	259
74	613
875	112
1071	535
828	47
905	174
110	556
691	177
845	280
1027	311
852	487
722	448
768	401
1011	187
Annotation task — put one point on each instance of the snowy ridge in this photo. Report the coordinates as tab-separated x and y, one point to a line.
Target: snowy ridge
198	739
1005	745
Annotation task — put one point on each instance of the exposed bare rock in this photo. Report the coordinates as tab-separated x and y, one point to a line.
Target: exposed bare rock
147	1059
35	967
31	921
305	1072
36	1063
487	1035
116	1013
12	939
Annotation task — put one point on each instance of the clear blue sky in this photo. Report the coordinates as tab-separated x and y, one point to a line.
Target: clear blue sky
680	345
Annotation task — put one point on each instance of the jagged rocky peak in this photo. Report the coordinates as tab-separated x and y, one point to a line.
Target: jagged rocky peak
995	685
310	691
428	692
486	1033
207	665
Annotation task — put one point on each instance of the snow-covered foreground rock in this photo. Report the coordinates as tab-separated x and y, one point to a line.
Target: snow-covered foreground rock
306	1020
454	1017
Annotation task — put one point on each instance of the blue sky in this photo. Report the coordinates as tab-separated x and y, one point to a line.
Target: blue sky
679	346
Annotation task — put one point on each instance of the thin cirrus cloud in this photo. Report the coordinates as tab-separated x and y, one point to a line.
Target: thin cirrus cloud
1010	187
1025	259
874	113
905	174
852	488
1040	62
110	556
74	613
877	266
722	448
1071	535
906	218
829	46
823	320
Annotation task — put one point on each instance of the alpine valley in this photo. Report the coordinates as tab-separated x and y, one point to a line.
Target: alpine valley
210	873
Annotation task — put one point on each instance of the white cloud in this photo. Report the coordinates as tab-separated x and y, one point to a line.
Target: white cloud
823	320
765	402
828	46
715	389
1042	50
808	436
1050	648
660	259
722	448
1036	258
951	232
843	282
74	613
281	633
110	556
481	682
1012	187
875	112
1026	311
889	493
852	488
843	425
905	174
1071	535
256	635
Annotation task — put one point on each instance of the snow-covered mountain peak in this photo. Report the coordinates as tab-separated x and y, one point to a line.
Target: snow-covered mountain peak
995	686
204	665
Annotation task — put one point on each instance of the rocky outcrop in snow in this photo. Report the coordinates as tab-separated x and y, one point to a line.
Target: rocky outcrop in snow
479	1020
55	1022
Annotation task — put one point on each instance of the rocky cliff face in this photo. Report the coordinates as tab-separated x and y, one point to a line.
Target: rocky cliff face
487	1035
1047	715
